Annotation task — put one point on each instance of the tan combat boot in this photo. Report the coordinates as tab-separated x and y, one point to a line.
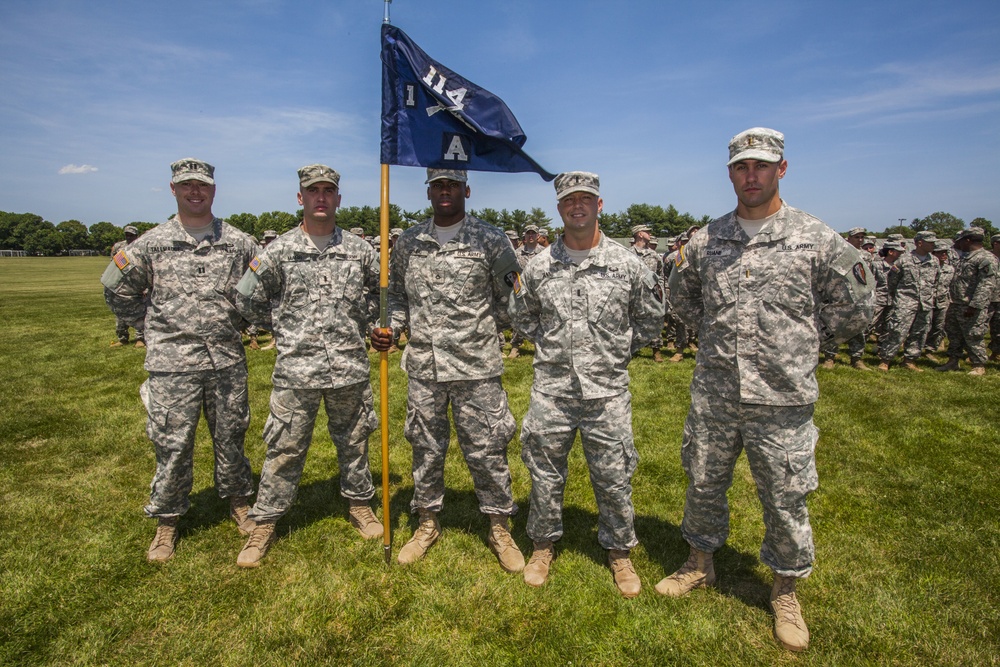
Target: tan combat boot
239	508
364	520
261	538
427	533
697	572
626	579
514	353
789	627
860	365
910	366
117	343
952	365
161	549
884	366
678	356
657	356
503	544
671	347
828	364
978	371
140	344
254	345
693	347
536	572
931	358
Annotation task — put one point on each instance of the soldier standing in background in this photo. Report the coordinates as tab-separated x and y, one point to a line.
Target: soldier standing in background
856	345
942	297
190	266
653	262
765	286
589	307
524	252
122	326
315	287
885	270
449	279
971	293
253	331
913	290
994	306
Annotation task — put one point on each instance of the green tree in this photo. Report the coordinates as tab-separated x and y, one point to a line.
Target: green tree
245	222
42	240
987	227
945	225
74	235
907	231
103	235
279	221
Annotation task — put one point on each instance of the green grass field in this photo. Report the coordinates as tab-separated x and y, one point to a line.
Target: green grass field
906	521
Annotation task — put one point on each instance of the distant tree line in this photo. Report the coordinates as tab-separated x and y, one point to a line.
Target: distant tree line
37	236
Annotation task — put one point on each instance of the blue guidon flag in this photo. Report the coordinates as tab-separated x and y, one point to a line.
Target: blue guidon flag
433	117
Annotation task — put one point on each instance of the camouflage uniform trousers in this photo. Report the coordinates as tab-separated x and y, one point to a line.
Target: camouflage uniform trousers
174	403
935	335
547	434
288	433
484	426
909	321
880	320
780	443
995	327
121	330
967	334
855	348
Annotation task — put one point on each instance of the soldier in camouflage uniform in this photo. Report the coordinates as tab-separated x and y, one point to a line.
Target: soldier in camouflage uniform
190	266
589	305
942	297
681	335
122	326
995	306
315	287
641	249
856	345
913	290
524	252
971	292
884	270
765	286
253	331
449	279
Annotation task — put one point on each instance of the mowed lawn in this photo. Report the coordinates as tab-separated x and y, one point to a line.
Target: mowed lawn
906	521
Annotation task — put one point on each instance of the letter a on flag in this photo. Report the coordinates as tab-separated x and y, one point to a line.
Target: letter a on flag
433	117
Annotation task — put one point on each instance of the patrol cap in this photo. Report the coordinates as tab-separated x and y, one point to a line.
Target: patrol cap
670	240
757	143
857	231
318	173
459	175
639	228
926	235
531	228
577	181
270	234
974	233
893	245
511	234
129	229
190	169
995	238
942	245
683	238
869	240
653	241
357	231
376	240
894	237
394	232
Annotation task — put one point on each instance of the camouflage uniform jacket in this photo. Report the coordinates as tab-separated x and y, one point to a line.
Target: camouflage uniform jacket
884	274
524	255
974	279
763	306
942	289
191	321
586	320
318	304
448	294
914	283
118	246
651	259
996	278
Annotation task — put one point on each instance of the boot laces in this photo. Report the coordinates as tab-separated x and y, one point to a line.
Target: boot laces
541	554
164	536
363	514
260	535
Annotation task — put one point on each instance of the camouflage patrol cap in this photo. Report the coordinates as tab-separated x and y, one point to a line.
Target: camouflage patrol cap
869	240
926	235
129	229
639	228
894	237
974	233
757	143
318	173
857	231
459	175
893	245
394	232
942	245
577	181
653	241
357	231
376	240
531	228
190	169
683	238
270	234
995	238
511	234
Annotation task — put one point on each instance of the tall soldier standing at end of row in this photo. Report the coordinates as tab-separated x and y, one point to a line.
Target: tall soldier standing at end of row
764	286
971	293
316	288
190	266
449	279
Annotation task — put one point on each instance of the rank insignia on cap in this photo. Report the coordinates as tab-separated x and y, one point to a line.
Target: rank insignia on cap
255	264
121	260
860	274
513	280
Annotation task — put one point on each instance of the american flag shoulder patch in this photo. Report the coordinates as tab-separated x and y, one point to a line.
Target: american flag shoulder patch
121	260
679	260
255	264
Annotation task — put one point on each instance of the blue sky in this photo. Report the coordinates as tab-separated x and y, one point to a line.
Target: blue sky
890	109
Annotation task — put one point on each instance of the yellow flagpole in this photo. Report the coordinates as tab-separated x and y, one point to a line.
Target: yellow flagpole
384	359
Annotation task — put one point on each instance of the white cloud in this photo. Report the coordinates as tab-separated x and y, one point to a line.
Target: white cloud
77	169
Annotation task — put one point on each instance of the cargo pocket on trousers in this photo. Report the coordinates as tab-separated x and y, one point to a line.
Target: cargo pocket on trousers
163	417
801	477
278	421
